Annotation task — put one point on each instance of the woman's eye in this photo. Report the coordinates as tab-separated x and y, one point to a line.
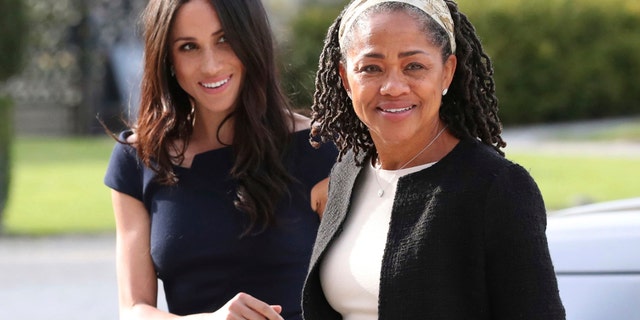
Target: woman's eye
222	39
187	47
370	69
415	66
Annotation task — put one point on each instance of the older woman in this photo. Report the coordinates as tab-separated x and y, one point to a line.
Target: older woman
425	218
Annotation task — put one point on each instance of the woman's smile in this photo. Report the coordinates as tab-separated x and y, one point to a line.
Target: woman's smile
215	85
396	110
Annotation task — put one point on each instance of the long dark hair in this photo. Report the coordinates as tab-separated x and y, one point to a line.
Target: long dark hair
469	109
262	116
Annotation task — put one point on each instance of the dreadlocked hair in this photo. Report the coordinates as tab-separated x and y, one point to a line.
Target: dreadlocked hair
332	115
470	110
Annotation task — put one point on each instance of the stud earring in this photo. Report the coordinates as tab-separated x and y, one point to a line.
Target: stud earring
444	92
172	70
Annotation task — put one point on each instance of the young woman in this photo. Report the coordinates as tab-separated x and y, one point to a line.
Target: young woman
211	186
425	218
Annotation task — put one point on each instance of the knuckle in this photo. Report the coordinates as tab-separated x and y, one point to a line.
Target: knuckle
242	296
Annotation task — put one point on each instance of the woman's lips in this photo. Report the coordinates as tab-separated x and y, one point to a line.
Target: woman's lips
215	85
397	110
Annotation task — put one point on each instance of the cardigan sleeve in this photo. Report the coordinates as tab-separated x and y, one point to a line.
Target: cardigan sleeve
520	275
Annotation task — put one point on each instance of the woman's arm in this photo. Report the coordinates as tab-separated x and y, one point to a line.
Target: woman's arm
137	283
319	195
521	278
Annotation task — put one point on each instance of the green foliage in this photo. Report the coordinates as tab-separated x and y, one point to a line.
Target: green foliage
558	60
13	35
5	147
299	56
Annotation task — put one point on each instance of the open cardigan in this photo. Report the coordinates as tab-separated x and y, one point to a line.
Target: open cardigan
466	241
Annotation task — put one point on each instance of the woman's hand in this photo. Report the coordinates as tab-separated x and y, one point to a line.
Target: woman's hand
244	306
319	195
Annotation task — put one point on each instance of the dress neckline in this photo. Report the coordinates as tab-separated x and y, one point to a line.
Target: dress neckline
223	152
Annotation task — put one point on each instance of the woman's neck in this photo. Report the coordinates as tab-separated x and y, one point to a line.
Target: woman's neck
404	156
212	131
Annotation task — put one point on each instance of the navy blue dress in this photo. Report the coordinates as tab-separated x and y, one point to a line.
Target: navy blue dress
196	246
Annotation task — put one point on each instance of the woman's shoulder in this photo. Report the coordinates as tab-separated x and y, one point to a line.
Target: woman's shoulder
126	137
124	146
130	137
300	122
473	158
310	159
125	168
498	167
303	147
479	152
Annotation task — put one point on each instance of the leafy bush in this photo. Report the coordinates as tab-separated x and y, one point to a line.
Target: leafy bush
12	37
13	32
5	147
299	55
558	60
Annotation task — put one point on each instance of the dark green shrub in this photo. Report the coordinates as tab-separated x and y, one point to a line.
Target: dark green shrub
13	35
5	148
299	55
562	60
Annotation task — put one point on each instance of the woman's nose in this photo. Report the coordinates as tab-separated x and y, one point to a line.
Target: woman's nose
394	84
210	62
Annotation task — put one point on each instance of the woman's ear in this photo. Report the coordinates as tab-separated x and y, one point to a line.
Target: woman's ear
343	77
449	70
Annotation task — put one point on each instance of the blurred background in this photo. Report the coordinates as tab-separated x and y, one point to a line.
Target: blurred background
565	70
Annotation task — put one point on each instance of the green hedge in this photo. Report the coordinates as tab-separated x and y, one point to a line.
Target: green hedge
299	55
13	35
559	60
5	148
554	60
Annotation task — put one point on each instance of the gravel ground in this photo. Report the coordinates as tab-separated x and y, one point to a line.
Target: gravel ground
65	277
569	139
59	278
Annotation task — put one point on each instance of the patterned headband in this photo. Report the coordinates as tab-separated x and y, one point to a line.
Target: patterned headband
436	9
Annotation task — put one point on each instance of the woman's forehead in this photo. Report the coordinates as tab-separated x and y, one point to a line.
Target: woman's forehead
396	31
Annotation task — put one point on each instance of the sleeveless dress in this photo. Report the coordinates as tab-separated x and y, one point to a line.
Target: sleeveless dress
196	244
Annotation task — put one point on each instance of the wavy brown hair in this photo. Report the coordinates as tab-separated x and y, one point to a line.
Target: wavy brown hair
470	109
262	115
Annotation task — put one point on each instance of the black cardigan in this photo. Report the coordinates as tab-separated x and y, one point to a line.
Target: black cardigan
466	241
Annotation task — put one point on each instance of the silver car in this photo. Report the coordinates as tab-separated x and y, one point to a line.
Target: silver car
596	254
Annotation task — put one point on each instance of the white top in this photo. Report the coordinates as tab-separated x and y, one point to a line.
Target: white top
350	272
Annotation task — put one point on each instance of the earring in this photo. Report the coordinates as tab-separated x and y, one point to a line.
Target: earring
172	70
444	92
